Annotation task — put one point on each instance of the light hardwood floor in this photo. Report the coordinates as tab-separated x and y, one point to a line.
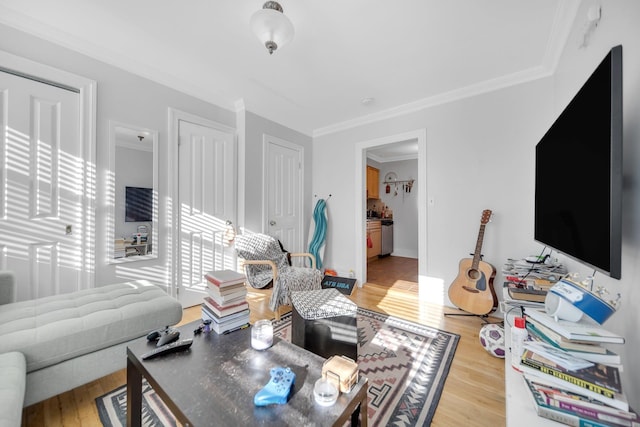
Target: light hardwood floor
473	394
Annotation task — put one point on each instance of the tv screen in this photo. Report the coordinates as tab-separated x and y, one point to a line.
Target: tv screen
578	181
138	204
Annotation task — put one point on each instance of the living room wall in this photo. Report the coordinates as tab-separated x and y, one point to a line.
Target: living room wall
480	154
617	27
254	127
478	157
134	100
130	99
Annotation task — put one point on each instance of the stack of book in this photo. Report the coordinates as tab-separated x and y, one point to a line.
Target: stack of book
226	303
529	281
571	376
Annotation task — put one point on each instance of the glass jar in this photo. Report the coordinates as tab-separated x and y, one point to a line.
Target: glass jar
262	334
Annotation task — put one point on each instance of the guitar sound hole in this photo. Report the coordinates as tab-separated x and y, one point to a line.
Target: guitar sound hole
473	274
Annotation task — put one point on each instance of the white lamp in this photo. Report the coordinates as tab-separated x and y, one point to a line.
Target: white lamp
271	26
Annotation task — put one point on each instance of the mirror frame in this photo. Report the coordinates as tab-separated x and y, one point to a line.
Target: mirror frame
114	127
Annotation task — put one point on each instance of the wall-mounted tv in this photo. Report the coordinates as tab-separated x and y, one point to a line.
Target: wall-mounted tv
578	181
138	204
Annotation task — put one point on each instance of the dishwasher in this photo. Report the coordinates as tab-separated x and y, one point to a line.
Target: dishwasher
386	226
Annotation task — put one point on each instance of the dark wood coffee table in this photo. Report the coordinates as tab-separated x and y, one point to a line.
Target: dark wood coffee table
213	383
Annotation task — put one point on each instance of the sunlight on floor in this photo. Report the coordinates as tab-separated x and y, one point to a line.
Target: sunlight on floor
432	290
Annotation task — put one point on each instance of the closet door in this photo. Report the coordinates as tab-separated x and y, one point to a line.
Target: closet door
206	201
41	185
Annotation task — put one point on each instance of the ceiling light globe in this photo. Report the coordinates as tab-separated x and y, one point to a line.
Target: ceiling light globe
272	28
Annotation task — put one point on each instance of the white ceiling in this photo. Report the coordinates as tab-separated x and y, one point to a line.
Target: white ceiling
401	150
406	54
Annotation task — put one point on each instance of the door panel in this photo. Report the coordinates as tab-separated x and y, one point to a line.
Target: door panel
42	183
283	172
206	188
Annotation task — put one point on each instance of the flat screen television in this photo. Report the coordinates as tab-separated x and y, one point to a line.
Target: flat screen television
138	204
578	173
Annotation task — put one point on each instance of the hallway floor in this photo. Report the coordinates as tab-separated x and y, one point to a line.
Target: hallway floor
394	272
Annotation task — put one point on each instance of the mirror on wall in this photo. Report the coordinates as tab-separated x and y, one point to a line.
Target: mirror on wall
133	219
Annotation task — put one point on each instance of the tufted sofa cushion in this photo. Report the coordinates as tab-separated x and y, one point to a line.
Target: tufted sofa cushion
13	373
54	329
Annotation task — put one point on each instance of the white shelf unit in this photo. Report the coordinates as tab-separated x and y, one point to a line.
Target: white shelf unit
519	406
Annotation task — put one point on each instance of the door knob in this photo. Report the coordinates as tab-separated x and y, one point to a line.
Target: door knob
272	223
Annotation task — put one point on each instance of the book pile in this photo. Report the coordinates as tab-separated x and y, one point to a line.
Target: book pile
572	377
529	281
226	303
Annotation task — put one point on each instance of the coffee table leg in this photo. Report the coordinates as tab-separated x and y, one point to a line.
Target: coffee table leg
134	395
354	417
360	413
364	416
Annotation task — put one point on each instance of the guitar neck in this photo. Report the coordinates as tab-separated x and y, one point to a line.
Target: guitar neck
478	251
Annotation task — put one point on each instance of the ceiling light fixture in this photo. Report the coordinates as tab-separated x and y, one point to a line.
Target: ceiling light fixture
271	26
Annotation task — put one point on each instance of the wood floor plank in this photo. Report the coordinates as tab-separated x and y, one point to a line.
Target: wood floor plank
473	394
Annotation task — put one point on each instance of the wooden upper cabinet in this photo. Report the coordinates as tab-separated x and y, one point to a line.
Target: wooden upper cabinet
373	183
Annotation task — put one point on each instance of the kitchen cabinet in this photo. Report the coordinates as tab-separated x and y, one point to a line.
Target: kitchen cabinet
373	183
374	232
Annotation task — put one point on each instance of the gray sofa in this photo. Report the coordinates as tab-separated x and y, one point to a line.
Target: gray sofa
54	344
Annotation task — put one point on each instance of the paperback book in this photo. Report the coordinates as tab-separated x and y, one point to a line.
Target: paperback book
582	405
228	298
227	325
225	310
602	379
222	278
619	400
562	342
522	294
584	330
225	290
211	315
568	416
591	352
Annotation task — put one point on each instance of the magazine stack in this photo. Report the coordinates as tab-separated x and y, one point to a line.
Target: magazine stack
528	280
226	301
572	376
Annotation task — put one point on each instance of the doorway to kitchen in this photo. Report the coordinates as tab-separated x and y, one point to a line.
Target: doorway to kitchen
418	227
392	211
400	273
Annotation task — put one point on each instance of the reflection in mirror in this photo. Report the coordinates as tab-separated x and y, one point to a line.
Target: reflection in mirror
134	211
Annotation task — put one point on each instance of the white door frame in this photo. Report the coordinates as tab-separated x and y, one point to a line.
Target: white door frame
174	118
86	89
359	219
266	140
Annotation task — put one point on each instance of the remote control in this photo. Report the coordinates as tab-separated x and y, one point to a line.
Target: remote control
168	348
277	389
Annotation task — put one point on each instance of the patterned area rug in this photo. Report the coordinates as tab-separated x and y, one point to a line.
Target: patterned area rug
406	364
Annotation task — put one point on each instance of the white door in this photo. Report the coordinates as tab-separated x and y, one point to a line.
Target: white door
41	187
283	183
206	196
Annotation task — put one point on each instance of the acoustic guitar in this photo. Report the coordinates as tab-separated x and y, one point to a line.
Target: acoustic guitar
472	290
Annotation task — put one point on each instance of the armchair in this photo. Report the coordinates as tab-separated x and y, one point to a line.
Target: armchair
266	263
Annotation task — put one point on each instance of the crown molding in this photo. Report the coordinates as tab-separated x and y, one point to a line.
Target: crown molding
563	21
379	159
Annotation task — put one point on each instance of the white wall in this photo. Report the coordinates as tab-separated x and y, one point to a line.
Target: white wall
125	98
619	25
255	127
404	206
480	155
